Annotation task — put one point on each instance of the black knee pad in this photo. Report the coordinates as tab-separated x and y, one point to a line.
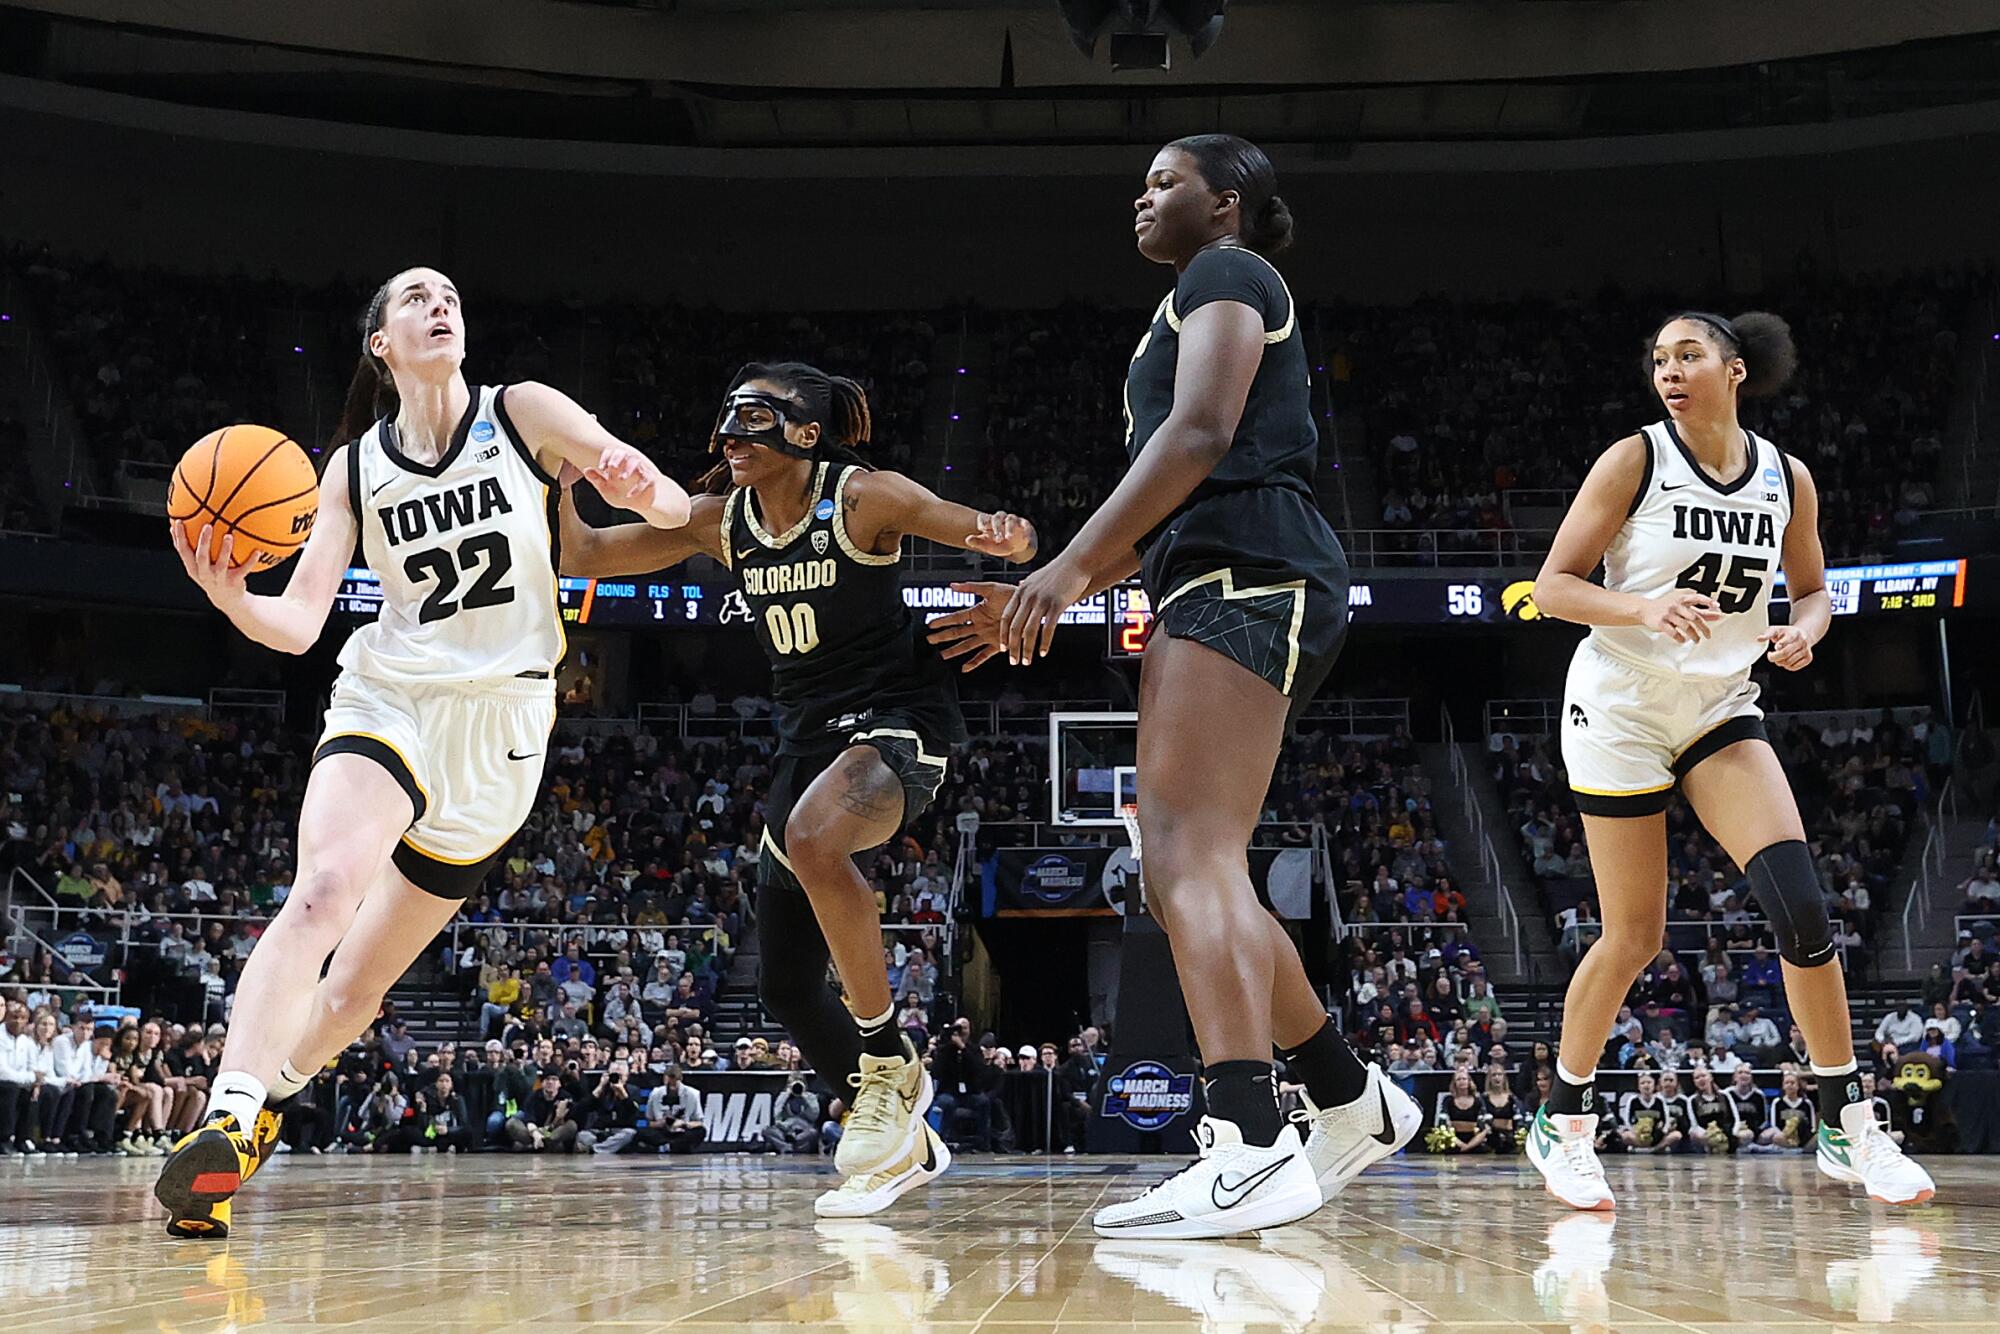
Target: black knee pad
1787	888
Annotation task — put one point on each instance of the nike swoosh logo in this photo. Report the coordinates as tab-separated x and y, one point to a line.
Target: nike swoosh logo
1227	1195
1387	1134
1675	487
742	556
378	490
529	756
930	1156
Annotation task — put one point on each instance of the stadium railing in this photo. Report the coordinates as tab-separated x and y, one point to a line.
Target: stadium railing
1489	860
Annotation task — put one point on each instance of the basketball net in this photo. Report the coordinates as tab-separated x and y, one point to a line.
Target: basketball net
1128	813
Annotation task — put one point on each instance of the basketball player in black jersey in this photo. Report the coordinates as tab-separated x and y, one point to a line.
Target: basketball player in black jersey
1249	585
866	714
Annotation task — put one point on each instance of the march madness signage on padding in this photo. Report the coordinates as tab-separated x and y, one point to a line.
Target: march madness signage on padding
737	1105
1094	881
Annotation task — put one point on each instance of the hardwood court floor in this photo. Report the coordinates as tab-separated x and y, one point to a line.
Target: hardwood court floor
1001	1244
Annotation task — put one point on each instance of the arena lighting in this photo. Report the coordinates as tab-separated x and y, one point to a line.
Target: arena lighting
1140	28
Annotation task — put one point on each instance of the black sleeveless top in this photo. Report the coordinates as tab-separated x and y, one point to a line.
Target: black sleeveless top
1276	441
844	647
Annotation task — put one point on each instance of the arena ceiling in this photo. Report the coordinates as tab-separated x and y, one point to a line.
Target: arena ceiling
1322	74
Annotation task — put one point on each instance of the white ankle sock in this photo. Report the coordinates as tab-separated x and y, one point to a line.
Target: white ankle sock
288	1082
238	1094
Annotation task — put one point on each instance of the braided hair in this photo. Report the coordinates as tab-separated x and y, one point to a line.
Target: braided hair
838	404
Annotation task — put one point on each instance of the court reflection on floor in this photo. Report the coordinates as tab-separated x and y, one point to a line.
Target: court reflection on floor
498	1242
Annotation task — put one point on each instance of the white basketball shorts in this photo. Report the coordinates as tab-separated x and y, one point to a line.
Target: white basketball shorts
470	757
1629	734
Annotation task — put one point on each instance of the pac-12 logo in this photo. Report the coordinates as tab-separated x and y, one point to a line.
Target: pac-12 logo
1148	1095
1576	716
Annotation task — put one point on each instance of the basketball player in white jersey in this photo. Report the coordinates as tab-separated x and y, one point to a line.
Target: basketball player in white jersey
1692	519
433	747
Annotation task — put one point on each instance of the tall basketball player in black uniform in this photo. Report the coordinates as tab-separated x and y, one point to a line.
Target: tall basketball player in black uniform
866	714
1250	589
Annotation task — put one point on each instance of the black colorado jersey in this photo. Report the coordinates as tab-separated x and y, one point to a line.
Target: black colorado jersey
844	647
1276	443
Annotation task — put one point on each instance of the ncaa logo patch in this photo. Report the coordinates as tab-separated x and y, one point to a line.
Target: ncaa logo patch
482	431
1771	477
823	510
819	541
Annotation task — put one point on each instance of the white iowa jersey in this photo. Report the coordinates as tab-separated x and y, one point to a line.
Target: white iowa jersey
1687	530
466	552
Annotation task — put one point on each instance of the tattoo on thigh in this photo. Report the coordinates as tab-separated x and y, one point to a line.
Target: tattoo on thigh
869	790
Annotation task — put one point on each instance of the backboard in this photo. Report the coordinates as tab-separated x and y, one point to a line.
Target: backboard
1093	770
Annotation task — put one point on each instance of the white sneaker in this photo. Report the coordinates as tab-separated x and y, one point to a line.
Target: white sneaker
1570	1283
1229	1287
1231	1189
1564	1150
892	1094
858	1197
1345	1140
1874	1162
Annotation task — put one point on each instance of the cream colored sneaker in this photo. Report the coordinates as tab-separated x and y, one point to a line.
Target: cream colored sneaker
892	1094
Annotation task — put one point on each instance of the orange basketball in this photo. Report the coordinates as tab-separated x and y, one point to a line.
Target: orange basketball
250	480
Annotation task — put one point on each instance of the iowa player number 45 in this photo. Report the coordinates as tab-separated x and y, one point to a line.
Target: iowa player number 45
793	629
1733	588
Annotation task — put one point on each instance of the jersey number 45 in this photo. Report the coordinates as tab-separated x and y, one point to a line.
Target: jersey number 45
1735	588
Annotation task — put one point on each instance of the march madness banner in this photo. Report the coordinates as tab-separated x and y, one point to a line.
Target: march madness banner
1094	881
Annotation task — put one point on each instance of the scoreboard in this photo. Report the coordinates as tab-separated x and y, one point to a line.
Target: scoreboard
657	601
1442	598
1864	590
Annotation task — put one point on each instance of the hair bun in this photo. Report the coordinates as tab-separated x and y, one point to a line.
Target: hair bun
1273	226
1764	341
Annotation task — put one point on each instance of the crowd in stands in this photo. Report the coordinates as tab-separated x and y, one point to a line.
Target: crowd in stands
1464	403
1467	402
1055	414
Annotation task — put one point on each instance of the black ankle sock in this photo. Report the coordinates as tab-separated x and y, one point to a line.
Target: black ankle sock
884	1039
1837	1093
1244	1092
1567	1099
1333	1075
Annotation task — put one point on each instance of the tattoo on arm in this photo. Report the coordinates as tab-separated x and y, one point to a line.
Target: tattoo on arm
869	790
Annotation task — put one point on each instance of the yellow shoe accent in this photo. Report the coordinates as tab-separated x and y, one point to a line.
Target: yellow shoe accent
209	1165
204	1222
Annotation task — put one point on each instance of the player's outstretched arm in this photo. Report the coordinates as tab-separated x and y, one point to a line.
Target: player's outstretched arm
1605	500
1791	646
635	548
883	506
558	431
973	632
291	621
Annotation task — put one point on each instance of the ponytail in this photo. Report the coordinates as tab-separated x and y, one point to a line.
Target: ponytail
1764	341
371	394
